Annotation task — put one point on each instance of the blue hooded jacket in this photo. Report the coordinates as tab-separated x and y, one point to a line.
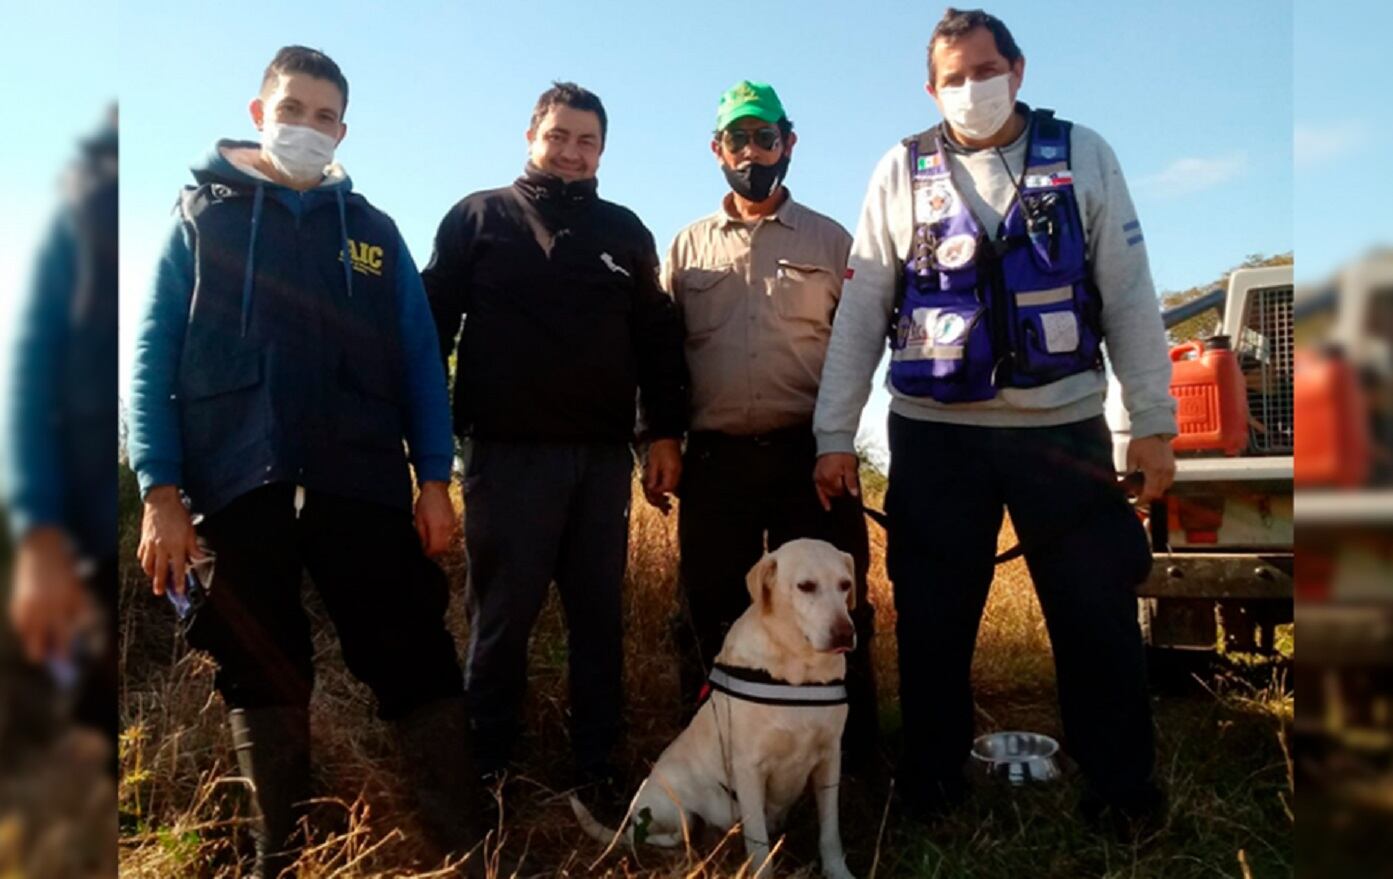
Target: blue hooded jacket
60	418
287	339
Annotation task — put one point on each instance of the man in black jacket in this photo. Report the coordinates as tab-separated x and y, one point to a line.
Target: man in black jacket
564	322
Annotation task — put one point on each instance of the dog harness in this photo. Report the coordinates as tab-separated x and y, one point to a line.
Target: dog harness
982	309
754	685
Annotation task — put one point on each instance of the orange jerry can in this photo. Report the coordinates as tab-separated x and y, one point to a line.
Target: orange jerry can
1211	398
1332	437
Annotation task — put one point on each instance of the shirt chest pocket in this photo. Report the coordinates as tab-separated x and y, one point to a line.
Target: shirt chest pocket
709	298
805	292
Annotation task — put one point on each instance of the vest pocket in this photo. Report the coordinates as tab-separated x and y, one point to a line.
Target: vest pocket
369	410
942	351
224	406
1055	239
1051	339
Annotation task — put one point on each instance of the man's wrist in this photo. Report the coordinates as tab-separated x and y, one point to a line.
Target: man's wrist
45	538
835	442
153	474
159	494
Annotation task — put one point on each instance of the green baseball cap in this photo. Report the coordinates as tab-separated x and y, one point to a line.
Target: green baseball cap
747	98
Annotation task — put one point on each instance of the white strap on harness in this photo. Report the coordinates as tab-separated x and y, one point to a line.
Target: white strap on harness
778	694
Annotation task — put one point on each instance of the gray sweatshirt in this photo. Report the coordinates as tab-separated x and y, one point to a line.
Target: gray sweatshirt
1134	338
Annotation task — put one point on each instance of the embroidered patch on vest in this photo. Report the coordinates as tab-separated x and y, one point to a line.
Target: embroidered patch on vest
1061	331
956	251
1045	181
935	200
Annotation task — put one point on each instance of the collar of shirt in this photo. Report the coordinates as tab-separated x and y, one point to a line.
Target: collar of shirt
786	213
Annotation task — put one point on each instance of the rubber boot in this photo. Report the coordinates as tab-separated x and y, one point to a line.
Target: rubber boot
434	740
273	753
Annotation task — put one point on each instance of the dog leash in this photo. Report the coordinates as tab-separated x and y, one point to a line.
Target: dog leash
1131	483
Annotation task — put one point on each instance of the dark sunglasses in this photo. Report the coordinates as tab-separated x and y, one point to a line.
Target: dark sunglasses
736	139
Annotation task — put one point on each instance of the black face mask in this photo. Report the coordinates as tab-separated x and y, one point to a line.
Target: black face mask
754	181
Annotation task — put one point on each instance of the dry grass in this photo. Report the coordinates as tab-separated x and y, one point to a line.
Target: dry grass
1221	750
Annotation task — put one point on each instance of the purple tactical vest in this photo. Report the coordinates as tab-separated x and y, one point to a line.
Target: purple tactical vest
980	312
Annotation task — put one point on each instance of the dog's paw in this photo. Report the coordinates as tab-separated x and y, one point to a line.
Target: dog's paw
836	870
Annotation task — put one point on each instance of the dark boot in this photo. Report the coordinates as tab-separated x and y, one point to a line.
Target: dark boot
273	753
435	745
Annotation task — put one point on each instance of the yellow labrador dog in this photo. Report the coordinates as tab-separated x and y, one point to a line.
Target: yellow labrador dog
772	725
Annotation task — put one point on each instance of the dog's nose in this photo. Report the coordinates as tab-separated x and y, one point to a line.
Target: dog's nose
843	636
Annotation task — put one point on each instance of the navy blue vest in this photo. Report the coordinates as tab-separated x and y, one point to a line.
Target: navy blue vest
292	368
1013	307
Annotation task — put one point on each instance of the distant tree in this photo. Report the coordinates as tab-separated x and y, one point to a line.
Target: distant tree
1203	325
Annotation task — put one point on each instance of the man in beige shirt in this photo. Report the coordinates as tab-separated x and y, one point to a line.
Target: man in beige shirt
758	283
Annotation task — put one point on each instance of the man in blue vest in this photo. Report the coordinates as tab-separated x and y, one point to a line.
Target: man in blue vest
284	363
998	251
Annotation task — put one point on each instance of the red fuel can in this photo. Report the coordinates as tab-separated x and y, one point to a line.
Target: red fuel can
1211	399
1332	439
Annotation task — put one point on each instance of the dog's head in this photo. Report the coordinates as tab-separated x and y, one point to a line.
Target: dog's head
808	585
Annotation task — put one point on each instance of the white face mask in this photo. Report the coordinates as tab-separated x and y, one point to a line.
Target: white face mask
978	109
298	151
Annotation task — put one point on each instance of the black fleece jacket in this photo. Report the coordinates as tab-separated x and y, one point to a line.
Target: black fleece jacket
565	324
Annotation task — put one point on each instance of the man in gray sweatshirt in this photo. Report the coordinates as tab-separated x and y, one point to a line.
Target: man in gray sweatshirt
1000	251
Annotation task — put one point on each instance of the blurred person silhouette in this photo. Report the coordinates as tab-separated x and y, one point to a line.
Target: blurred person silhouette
61	440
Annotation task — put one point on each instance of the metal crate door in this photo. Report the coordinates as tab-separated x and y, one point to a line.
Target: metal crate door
1265	352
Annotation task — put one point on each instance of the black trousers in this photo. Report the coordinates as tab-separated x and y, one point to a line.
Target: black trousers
1086	552
386	599
537	513
737	493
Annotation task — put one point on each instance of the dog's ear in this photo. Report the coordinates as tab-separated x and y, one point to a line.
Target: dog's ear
760	581
851	572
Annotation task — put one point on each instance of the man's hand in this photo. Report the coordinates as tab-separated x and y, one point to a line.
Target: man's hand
836	474
435	517
1155	458
48	603
661	472
167	539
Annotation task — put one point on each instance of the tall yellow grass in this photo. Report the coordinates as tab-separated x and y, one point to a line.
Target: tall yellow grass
182	805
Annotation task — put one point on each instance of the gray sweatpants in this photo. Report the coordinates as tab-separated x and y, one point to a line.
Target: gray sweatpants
537	513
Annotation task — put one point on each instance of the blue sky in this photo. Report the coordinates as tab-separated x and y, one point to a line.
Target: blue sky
57	81
1195	97
1342	131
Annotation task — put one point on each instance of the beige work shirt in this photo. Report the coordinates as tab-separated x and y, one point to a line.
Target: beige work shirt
758	301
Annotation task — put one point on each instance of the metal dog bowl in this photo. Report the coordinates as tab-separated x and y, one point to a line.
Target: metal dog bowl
1017	757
